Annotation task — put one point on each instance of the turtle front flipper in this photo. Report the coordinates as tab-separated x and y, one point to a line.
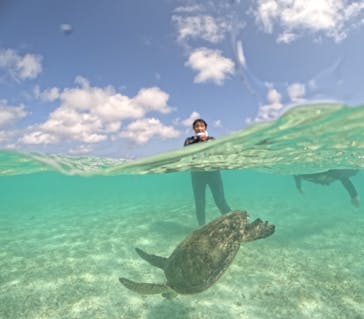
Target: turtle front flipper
154	260
145	288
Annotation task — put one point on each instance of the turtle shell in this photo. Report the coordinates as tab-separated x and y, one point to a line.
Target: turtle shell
201	259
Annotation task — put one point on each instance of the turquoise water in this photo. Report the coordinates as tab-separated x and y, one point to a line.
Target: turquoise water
68	226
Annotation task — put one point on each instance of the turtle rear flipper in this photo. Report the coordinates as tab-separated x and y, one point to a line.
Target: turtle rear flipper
145	288
154	260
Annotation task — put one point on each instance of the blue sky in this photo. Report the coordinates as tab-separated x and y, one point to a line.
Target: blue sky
126	78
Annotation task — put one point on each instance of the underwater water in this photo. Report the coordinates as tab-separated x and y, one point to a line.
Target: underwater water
69	226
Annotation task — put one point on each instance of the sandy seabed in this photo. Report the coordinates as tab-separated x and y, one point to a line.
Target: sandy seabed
65	263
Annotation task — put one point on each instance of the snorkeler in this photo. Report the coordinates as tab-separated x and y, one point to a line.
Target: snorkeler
332	175
200	179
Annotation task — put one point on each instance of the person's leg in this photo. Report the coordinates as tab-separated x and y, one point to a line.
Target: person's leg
350	188
217	190
199	192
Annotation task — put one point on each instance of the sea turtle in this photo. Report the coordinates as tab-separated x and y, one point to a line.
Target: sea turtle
202	257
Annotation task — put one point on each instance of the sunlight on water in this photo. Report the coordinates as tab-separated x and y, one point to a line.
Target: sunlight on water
68	226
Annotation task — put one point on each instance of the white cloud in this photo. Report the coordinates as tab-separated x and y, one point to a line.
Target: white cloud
275	107
266	13
203	27
141	131
39	137
210	65
89	114
152	99
217	123
20	68
273	96
332	18
82	149
189	9
286	37
67	123
48	95
8	139
296	92
188	121
271	110
10	114
5	137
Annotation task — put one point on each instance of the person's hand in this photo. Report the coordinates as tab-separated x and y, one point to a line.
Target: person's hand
203	137
355	201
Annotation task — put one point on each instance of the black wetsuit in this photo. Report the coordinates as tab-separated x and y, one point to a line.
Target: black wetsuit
200	179
326	178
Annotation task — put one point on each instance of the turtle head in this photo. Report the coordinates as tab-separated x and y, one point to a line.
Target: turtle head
256	230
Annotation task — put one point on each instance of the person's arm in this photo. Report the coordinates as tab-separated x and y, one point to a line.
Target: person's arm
196	139
350	188
298	182
191	140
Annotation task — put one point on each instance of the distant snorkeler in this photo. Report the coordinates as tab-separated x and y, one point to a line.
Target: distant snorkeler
330	176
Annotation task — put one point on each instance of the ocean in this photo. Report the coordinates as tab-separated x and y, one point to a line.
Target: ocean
69	225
